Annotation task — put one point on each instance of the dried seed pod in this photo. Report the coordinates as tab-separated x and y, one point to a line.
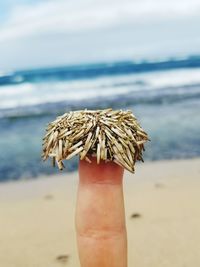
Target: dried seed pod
109	135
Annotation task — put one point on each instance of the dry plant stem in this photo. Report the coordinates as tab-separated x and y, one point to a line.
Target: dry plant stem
100	216
107	134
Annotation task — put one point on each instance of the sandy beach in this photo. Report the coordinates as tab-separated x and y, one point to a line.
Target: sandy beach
162	212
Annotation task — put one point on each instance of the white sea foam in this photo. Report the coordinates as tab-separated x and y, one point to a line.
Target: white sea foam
28	94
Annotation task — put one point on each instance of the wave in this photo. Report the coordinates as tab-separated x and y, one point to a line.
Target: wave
26	95
97	70
166	97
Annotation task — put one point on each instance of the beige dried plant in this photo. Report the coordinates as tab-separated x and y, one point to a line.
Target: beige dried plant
109	135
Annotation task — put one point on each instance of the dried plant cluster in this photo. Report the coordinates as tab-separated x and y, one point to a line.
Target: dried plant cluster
106	134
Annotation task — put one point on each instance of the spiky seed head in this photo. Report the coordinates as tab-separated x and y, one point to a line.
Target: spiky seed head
106	134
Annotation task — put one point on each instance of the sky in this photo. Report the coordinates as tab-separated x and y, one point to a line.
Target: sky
47	33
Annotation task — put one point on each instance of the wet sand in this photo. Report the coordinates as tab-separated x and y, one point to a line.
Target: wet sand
162	203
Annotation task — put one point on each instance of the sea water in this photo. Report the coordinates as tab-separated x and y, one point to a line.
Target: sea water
164	95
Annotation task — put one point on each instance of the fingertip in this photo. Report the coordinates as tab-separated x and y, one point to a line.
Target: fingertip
108	171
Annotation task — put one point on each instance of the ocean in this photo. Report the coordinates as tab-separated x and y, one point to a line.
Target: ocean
164	95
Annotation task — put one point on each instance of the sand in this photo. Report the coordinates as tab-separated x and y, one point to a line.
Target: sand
162	210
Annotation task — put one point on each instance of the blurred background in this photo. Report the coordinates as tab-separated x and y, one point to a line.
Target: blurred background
57	56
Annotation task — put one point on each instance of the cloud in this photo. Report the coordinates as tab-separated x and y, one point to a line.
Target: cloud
54	17
51	33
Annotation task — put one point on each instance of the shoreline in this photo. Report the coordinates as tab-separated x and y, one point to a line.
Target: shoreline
162	214
74	173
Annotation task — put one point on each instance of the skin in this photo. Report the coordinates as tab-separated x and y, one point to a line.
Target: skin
100	216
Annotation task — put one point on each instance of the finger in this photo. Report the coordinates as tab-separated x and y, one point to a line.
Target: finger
100	219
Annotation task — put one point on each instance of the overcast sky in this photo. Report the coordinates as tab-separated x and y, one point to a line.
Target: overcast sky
39	33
